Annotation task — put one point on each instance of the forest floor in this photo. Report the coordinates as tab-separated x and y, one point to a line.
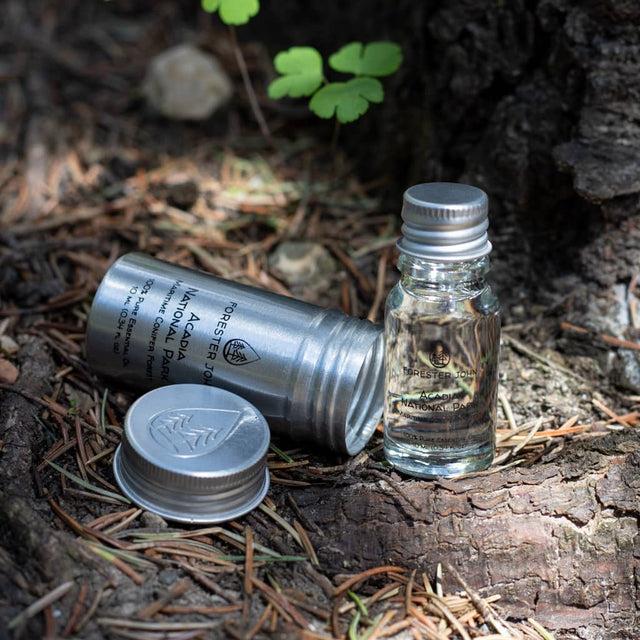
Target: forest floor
89	174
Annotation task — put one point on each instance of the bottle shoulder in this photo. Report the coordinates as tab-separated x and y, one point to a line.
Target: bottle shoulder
461	301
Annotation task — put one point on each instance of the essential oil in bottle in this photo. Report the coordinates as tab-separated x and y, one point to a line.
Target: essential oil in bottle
442	336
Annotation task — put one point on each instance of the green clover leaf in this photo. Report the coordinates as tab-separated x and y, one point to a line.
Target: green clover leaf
348	100
375	59
233	11
301	73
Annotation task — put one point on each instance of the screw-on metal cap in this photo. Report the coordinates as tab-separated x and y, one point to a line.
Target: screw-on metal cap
194	453
445	221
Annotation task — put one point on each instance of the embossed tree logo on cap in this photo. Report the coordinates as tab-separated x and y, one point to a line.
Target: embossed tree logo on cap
192	432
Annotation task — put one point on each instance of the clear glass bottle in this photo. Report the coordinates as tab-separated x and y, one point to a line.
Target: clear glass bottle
442	336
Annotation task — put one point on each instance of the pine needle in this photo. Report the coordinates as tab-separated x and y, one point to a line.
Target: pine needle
87	485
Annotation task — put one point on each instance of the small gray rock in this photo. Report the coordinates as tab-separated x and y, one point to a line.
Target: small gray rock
308	269
8	345
184	83
302	263
153	521
167	576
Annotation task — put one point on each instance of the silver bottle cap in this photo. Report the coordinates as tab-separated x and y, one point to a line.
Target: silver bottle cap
193	453
445	221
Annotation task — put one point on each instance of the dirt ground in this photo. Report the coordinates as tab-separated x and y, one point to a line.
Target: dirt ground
89	173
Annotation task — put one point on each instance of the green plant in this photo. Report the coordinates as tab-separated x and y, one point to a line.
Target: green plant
301	70
302	75
233	13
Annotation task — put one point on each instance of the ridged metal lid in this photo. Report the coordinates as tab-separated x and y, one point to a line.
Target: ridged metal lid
193	453
445	221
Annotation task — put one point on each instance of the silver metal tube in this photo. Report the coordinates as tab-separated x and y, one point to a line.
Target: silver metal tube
316	374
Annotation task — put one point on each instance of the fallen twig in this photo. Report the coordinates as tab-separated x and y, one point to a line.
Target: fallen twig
40	604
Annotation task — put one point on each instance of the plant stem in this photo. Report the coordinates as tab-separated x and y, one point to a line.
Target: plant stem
253	100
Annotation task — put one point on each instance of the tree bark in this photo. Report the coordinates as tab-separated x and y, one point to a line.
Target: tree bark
559	540
534	101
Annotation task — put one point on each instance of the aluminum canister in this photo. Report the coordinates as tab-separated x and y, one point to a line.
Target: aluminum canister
315	373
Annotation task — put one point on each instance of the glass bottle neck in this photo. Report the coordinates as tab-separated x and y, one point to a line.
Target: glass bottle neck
443	274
